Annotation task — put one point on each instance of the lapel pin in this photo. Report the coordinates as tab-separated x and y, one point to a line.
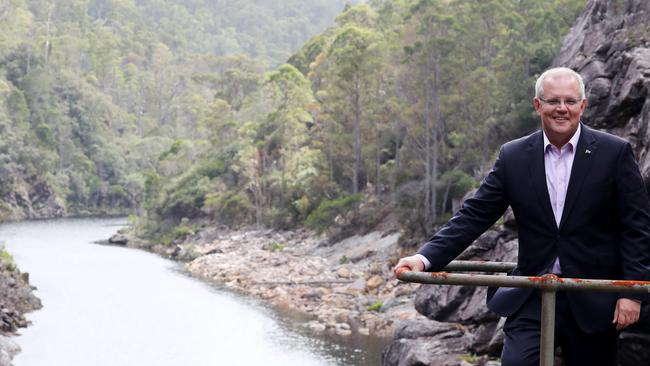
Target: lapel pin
587	151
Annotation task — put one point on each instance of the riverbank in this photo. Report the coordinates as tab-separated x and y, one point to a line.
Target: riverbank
16	299
345	287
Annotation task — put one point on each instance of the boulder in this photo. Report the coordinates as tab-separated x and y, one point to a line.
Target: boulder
374	282
118	239
426	342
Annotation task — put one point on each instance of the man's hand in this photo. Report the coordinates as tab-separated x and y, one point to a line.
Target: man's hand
626	313
412	263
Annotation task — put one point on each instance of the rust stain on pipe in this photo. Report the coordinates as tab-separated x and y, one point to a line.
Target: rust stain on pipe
547	278
630	283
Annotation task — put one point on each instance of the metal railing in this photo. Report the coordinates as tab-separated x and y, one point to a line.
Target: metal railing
548	284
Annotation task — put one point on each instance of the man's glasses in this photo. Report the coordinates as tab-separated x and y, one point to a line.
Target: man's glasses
557	102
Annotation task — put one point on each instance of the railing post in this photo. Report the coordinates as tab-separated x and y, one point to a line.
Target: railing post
547	337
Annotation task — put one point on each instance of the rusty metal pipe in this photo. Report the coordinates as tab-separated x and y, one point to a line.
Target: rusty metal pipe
480	266
540	282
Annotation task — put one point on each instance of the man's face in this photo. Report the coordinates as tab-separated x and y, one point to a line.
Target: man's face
560	108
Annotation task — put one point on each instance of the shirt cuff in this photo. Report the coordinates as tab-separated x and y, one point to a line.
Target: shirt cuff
424	260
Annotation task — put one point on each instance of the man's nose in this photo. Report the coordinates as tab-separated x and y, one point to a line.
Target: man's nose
562	107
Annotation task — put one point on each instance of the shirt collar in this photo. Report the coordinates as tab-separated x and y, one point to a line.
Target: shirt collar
573	141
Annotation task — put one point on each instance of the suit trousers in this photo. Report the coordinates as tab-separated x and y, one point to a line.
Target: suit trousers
522	337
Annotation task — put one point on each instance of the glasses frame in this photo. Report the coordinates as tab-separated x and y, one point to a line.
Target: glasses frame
552	102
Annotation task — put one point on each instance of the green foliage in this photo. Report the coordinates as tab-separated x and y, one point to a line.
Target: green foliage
92	91
376	306
471	358
322	218
276	247
178	233
229	208
6	259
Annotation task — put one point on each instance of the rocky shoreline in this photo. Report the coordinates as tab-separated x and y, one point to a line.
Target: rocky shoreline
345	288
16	299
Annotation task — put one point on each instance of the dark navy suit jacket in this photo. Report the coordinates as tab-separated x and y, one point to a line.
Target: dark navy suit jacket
604	232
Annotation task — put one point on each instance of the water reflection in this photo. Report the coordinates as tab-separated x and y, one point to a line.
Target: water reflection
106	305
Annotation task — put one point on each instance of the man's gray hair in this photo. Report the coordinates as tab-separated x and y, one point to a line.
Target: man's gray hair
557	71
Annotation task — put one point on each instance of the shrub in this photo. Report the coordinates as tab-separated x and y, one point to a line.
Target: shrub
6	260
276	247
229	208
323	216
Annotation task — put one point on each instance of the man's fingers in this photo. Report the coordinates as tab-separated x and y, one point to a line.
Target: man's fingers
626	313
411	263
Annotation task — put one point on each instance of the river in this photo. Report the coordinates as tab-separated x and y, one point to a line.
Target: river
108	305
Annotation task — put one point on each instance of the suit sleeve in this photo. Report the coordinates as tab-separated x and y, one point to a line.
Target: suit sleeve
634	215
476	215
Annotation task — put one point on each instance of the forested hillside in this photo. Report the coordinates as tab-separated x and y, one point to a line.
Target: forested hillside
389	115
184	113
93	91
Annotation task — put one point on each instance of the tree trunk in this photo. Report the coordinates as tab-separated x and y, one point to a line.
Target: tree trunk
357	136
427	152
436	140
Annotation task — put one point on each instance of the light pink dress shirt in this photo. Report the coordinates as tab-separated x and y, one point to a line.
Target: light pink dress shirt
558	164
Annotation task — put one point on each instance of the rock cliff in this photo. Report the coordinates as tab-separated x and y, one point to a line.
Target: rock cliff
30	198
16	299
610	46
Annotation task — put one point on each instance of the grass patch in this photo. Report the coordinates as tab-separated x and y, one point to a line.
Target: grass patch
276	247
375	306
6	259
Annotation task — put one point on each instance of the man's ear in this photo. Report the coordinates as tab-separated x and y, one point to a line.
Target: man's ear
537	104
583	105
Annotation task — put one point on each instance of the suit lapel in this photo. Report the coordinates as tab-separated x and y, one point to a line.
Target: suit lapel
535	151
582	162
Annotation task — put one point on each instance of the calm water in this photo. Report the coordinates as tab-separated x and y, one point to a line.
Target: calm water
106	305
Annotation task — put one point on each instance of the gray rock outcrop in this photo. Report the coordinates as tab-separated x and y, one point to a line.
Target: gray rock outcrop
610	46
16	299
30	198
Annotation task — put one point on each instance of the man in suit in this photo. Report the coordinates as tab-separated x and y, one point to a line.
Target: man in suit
582	211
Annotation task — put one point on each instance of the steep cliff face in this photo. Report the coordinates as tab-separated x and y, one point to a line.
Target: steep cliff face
610	47
30	198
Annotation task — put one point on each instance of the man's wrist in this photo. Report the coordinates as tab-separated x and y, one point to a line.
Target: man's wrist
424	260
